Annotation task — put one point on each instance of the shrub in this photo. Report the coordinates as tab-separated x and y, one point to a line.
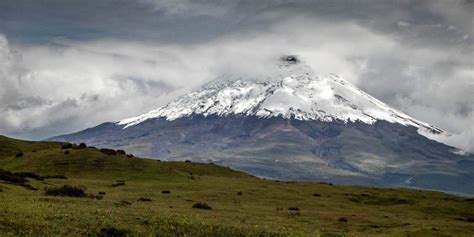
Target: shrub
239	193
19	154
113	232
66	153
202	205
130	156
122	152
165	192
316	195
54	177
293	209
101	193
9	177
66	191
82	145
142	199
187	161
29	175
109	152
342	219
66	146
119	183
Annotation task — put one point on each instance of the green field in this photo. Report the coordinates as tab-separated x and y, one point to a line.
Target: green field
242	205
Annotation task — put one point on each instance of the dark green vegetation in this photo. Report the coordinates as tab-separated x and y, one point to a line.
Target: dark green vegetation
82	191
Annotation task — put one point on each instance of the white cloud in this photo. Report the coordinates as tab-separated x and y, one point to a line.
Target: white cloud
49	90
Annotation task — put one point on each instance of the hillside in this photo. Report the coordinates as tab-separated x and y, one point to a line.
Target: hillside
133	196
10	146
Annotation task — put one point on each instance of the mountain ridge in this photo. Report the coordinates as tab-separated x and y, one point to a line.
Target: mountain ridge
297	126
299	93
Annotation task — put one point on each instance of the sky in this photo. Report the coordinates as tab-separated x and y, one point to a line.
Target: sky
69	65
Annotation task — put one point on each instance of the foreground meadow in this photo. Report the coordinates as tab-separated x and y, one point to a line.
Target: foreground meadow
127	196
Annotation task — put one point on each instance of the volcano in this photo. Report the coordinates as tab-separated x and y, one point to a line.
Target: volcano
292	125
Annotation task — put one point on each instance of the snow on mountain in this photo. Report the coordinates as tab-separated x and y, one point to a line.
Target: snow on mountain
295	92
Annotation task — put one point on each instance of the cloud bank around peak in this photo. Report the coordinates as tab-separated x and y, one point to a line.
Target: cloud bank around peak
416	59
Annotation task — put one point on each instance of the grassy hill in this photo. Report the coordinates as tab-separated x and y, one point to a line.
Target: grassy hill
123	195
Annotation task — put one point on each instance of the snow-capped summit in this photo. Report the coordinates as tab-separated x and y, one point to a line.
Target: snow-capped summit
295	92
293	124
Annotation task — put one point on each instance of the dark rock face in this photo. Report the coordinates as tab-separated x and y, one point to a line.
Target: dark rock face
381	154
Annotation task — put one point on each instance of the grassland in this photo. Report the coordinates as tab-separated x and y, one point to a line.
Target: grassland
242	205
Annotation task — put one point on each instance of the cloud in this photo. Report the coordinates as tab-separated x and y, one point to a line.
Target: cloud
189	8
421	66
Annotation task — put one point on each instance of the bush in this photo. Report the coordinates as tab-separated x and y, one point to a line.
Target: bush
165	192
29	175
9	177
109	152
293	209
54	177
142	199
316	195
113	232
66	153
19	154
66	146
66	191
119	183
202	205
187	161
122	152
239	193
82	145
101	193
342	219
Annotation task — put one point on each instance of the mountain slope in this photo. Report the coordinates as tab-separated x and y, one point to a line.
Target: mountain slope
296	93
296	126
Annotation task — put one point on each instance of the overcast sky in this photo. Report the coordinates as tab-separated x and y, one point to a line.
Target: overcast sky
69	65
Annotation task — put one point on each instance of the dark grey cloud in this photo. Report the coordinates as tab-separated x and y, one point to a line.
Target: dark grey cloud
67	65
